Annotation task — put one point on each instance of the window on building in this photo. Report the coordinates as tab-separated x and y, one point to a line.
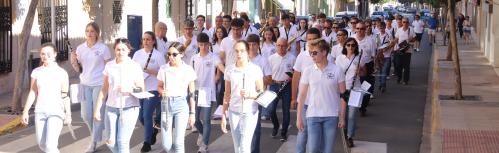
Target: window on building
61	22
5	36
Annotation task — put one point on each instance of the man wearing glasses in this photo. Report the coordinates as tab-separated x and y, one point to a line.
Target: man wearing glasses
328	33
288	32
189	41
367	48
351	27
403	60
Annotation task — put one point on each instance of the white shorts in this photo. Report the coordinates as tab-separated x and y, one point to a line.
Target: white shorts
431	31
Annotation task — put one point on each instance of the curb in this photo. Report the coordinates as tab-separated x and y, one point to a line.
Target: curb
11	126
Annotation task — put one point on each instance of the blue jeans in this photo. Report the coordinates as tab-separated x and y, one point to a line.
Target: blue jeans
285	96
351	121
147	108
255	143
119	128
322	131
48	129
174	110
385	72
301	140
87	110
203	122
242	126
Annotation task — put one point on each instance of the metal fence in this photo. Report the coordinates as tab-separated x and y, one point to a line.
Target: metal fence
5	36
61	22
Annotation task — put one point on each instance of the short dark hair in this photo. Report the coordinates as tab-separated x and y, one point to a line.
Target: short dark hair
382	24
314	31
322	15
284	16
201	16
203	38
227	17
49	44
244	17
237	22
189	23
253	38
246	45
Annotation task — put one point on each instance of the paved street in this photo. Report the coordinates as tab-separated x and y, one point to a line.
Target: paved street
393	124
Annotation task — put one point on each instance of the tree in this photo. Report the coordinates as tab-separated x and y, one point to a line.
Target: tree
22	63
458	92
155	12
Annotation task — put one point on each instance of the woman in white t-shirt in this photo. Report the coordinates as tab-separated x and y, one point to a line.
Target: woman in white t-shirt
176	86
268	45
218	36
89	59
326	82
122	76
243	83
49	87
150	60
302	34
205	64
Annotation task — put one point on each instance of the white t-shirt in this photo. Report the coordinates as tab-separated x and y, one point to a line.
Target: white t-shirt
250	74
263	64
216	49
205	68
384	41
343	62
125	74
280	65
392	31
303	39
303	60
211	32
49	81
92	61
157	59
268	49
324	86
191	50
288	35
368	48
418	26
336	51
227	46
162	46
249	31
177	79
404	35
330	38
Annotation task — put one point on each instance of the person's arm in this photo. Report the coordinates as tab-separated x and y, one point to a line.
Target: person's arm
33	92
74	61
100	98
294	88
192	104
301	105
225	107
343	104
221	67
66	100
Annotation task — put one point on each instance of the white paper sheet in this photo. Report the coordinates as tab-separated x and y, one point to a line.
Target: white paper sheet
365	86
355	99
142	95
266	98
203	97
76	93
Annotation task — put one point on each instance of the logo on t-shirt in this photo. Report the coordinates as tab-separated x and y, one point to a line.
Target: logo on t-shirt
208	64
330	75
97	52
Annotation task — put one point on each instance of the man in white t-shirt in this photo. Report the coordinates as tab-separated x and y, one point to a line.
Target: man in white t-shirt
162	43
403	61
247	28
189	41
200	20
289	32
418	26
367	48
328	34
227	52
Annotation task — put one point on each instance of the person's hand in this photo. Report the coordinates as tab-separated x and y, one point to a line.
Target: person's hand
223	124
192	120
67	119
341	123
299	123
293	104
243	93
97	115
25	119
73	57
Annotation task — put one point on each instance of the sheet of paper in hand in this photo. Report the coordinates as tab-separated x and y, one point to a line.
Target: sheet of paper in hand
266	98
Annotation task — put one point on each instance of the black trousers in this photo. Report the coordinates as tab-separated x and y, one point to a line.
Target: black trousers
371	79
403	70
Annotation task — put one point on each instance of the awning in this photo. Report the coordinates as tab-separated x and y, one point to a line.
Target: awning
284	4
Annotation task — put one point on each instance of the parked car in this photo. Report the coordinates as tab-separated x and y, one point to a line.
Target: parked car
377	14
340	15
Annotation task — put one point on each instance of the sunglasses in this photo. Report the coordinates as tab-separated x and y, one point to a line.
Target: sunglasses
361	28
173	54
121	40
313	53
350	45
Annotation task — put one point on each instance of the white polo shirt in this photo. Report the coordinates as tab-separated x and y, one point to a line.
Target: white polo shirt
418	26
262	62
404	35
227	46
330	38
177	79
49	81
368	48
249	31
392	31
303	60
336	51
157	59
162	46
384	40
324	86
215	48
203	30
250	74
343	62
280	65
124	74
302	37
205	68
289	34
92	61
191	50
268	49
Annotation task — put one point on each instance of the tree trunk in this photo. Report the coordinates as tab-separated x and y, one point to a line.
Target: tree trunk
155	12
450	18
22	63
455	58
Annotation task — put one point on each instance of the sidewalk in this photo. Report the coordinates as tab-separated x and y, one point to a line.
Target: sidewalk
467	126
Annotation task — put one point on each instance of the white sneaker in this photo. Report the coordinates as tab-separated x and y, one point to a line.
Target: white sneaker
203	149
91	148
200	140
